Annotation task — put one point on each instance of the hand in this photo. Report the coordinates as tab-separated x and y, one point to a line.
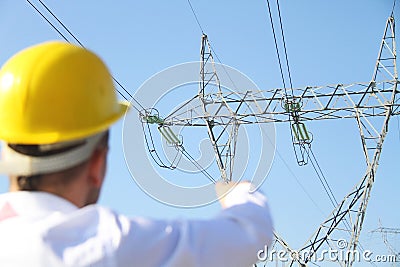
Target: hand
224	189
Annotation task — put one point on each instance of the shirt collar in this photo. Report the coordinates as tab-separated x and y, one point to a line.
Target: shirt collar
24	202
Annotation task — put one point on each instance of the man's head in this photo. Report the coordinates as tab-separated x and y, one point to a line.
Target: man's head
57	101
80	183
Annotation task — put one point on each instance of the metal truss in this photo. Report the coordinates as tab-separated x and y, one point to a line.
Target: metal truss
223	131
371	104
385	231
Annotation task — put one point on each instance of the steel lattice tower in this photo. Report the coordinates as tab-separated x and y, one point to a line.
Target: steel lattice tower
371	104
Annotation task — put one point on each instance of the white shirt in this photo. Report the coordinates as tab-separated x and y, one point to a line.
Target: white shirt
41	229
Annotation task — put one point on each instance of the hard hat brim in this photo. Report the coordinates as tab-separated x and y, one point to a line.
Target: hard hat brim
19	164
54	137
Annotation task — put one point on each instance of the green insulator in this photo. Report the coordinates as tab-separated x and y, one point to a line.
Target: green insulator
153	119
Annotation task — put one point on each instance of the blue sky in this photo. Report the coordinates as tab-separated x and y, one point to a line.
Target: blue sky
328	42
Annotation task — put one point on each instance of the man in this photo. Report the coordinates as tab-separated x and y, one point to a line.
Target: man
57	102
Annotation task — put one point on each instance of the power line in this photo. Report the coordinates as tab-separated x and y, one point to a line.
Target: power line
152	149
182	149
197	165
299	183
317	168
62	24
80	43
276	46
307	150
293	173
195	16
300	161
51	24
329	192
211	47
394	4
284	46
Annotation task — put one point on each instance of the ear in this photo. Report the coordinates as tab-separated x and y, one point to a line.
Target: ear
97	167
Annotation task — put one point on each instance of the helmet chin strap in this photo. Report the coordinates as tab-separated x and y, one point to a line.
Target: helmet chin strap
15	163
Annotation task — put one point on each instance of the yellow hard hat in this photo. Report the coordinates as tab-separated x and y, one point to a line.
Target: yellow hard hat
55	92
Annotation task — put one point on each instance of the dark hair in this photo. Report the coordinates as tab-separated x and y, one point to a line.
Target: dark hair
36	151
29	183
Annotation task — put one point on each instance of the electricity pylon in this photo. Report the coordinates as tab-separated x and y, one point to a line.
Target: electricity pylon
385	231
214	103
222	111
